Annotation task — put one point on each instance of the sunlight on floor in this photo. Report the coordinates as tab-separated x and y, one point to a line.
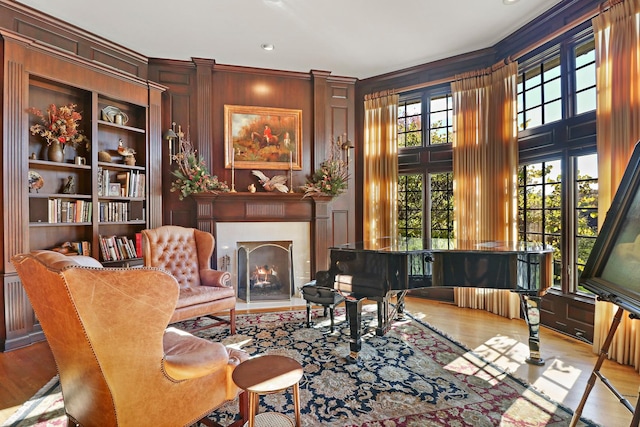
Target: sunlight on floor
558	380
504	351
509	354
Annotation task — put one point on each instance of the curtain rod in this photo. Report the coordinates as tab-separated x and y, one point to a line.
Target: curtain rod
581	19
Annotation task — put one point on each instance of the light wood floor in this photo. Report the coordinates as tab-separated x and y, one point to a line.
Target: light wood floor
569	362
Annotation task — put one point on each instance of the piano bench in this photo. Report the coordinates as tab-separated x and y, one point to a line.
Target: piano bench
320	295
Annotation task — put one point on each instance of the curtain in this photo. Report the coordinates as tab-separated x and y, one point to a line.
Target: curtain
618	129
380	171
485	167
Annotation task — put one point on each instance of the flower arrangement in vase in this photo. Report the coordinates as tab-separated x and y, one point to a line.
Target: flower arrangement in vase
59	128
332	178
192	175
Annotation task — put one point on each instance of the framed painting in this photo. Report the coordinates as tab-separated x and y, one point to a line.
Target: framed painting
262	138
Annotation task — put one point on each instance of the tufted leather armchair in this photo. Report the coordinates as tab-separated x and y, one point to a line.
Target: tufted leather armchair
119	364
186	254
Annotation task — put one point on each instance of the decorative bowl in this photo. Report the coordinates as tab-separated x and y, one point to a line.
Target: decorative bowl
109	114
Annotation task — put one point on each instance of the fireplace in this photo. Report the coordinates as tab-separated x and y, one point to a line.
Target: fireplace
265	271
236	219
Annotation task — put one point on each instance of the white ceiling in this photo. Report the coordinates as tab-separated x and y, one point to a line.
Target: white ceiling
350	38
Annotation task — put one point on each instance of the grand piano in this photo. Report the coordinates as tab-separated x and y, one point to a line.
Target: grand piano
387	268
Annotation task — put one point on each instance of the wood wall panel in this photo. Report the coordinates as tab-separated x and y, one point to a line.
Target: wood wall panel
178	105
48	32
340	224
18	317
204	106
50	36
257	89
327	110
15	153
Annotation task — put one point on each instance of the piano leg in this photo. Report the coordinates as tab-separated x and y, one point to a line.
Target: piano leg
531	308
383	317
354	314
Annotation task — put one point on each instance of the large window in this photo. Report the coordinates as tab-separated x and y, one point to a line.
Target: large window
441	119
558	182
410	205
585	206
540	94
539	207
442	206
416	216
585	77
410	124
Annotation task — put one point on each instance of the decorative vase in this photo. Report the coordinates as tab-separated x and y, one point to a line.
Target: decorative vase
55	153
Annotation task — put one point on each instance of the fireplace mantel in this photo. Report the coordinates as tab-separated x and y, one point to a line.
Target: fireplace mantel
259	207
270	207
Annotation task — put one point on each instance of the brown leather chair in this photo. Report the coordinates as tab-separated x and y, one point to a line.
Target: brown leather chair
118	363
186	254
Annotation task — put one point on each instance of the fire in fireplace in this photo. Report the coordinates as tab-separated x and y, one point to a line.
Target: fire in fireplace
265	270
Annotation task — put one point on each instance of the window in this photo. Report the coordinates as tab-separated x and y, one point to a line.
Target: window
540	94
586	211
441	187
410	205
441	119
540	207
585	77
410	124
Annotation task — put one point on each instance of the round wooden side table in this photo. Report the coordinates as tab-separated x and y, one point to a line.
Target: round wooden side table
266	375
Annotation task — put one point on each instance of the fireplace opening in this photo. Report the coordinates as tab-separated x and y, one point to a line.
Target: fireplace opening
265	270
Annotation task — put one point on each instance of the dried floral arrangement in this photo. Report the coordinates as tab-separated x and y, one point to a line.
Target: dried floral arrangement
332	178
59	124
192	175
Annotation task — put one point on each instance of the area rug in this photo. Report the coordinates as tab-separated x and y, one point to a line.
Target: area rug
413	376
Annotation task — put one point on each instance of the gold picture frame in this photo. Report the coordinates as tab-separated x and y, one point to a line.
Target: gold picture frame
262	138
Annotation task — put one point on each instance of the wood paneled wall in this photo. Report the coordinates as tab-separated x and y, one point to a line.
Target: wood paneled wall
199	89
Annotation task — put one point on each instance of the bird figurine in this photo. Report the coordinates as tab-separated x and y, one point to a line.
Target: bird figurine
35	181
271	184
125	151
69	186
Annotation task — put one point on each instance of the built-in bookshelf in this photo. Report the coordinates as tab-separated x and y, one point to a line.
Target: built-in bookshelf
57	204
95	190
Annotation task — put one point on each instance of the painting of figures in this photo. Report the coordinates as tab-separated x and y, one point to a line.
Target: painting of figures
262	138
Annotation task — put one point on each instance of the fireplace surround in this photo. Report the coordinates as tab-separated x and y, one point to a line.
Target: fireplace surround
241	217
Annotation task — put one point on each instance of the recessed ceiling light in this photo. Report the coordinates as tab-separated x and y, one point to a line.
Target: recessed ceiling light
508	2
267	46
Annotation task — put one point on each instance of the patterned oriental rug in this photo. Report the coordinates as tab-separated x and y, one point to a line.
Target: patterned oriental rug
414	376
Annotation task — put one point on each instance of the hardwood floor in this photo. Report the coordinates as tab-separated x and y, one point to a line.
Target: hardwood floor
569	363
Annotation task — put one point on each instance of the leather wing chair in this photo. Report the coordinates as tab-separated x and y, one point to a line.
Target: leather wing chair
186	254
118	363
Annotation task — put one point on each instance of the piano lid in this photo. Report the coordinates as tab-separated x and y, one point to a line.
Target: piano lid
413	244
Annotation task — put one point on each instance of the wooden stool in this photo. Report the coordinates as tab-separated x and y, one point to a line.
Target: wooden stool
266	375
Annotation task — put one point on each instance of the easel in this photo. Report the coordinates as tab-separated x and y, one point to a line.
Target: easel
604	352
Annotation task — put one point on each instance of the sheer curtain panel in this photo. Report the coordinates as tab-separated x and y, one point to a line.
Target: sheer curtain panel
380	210
485	167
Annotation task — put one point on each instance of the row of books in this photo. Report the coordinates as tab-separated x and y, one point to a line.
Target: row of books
117	248
60	210
127	184
113	211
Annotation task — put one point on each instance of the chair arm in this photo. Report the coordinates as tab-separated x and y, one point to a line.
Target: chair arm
187	356
209	277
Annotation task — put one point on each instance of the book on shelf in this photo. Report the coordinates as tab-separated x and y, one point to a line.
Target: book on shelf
131	183
139	245
60	211
117	248
113	211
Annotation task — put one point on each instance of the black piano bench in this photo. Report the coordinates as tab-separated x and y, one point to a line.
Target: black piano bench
321	295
